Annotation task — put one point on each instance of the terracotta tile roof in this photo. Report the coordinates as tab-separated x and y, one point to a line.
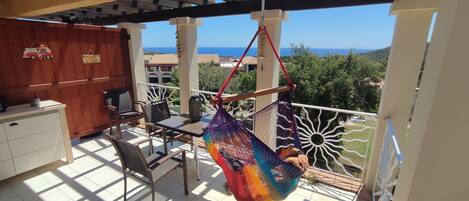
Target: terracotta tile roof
161	59
250	60
172	59
207	58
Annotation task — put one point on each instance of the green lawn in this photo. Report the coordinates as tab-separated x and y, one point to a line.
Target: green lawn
360	147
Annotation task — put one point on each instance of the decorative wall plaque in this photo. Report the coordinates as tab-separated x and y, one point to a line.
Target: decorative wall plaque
91	58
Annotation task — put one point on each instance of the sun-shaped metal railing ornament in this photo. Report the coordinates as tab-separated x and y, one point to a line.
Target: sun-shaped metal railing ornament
156	92
244	107
206	97
325	143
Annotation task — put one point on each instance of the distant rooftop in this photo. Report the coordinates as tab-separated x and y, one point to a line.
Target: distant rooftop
207	58
249	60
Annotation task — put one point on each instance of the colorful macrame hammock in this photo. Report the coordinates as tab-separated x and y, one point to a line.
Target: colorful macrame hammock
252	169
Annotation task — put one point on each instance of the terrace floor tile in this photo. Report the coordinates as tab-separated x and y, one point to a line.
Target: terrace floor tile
96	175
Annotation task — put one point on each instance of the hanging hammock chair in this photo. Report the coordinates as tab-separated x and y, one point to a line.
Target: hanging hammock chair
254	171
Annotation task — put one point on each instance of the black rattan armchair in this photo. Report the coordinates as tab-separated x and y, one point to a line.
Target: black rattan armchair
147	169
154	112
121	108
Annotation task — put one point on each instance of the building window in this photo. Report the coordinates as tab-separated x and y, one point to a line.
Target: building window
166	80
166	68
153	80
252	67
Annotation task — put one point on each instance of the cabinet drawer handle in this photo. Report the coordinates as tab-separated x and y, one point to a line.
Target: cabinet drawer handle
14	124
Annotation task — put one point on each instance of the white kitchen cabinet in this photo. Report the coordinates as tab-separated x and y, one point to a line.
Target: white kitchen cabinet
6	169
4	151
29	126
31	137
3	136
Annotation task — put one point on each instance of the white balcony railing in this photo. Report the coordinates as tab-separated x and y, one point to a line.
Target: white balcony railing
239	109
335	140
156	92
389	166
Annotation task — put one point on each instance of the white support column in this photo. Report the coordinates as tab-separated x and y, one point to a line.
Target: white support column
404	64
187	50
436	164
137	63
268	70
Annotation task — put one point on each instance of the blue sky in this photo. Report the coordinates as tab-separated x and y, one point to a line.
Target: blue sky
363	27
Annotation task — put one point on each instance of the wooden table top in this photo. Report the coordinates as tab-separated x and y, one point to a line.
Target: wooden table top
183	124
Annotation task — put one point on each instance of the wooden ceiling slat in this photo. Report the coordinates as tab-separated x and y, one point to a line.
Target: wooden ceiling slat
124	7
61	15
107	9
233	8
200	2
92	13
127	7
167	3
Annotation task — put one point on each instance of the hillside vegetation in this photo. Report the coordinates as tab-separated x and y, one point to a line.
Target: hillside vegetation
379	55
338	81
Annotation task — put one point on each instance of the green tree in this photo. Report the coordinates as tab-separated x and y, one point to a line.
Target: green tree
347	82
211	77
245	82
338	81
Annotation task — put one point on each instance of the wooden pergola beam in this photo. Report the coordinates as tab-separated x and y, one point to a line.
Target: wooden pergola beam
231	8
115	8
200	2
27	8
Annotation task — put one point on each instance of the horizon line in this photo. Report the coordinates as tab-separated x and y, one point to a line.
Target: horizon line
280	48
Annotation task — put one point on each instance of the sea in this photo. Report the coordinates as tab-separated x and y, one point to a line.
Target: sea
238	51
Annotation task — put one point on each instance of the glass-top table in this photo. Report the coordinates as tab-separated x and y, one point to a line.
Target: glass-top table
184	125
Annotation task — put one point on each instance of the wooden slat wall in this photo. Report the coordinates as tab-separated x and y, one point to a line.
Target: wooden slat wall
64	78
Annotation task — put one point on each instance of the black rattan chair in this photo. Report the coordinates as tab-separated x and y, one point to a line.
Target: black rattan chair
154	112
121	108
147	169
